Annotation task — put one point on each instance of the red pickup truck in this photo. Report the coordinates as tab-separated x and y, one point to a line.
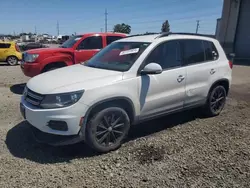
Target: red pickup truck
76	49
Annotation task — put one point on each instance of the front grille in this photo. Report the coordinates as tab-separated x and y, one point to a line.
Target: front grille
33	97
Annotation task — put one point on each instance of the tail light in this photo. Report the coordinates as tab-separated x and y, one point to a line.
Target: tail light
230	64
17	48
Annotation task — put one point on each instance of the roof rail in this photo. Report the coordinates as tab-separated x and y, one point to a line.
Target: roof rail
142	34
165	34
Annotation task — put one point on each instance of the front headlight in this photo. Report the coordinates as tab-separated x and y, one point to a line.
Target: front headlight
30	57
61	100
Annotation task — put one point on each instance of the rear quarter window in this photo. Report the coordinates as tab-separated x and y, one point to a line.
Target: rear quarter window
4	45
211	53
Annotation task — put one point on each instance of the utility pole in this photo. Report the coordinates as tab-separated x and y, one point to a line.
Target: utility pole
58	29
106	20
197	26
35	29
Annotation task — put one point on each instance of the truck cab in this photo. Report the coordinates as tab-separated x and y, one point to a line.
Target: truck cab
76	49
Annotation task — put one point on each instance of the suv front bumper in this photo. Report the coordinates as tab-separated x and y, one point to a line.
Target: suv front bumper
55	126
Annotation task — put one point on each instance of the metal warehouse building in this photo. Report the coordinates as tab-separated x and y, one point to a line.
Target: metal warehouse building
233	29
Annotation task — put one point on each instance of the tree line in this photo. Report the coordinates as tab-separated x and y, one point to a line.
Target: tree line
125	28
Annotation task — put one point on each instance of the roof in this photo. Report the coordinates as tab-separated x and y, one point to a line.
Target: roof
104	34
155	37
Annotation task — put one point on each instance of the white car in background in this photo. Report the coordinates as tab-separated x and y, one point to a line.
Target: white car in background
131	80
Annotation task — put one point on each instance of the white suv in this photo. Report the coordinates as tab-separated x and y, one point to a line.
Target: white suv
129	81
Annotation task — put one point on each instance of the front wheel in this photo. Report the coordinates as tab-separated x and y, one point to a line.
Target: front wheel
12	60
216	101
107	129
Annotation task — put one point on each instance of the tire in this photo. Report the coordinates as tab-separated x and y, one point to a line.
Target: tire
110	136
216	101
12	60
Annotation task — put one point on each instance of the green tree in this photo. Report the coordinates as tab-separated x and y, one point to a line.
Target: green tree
165	26
122	28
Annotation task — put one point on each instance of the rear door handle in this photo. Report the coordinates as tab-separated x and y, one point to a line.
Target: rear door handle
212	71
180	78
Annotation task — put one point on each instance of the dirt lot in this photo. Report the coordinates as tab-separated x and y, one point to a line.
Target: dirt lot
181	150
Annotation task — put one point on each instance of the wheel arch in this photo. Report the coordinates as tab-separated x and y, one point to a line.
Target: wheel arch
224	82
11	56
121	101
58	64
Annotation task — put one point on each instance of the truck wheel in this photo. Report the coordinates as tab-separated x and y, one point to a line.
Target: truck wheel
107	129
12	60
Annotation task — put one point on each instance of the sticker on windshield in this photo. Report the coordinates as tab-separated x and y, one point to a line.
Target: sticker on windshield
132	51
76	39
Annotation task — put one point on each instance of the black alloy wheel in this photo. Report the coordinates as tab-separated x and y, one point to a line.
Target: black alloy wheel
216	101
107	129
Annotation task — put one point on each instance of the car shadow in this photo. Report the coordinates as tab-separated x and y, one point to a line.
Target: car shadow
21	144
18	88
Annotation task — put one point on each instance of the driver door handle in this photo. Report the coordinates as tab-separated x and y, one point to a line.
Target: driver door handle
180	78
212	71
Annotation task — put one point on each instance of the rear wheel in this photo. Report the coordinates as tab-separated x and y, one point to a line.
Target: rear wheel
12	60
216	101
107	129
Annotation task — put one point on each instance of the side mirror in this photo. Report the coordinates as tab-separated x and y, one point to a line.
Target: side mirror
152	68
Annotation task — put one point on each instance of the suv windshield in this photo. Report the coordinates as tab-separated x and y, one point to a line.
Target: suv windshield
71	41
118	56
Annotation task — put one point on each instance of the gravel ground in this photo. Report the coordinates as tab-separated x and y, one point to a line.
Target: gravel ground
181	150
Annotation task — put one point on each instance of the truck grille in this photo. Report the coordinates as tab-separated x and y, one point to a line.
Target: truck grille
33	97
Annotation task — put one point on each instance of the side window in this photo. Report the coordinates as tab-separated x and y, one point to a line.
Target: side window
211	52
4	45
193	51
91	43
166	54
111	39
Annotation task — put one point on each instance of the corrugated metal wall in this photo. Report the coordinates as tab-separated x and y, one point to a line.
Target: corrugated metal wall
242	40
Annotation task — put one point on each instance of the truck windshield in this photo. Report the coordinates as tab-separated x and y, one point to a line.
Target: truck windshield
118	56
71	41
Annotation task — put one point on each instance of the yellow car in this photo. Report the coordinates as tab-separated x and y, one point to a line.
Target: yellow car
10	53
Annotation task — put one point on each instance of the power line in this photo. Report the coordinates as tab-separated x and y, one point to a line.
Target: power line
197	25
58	29
106	20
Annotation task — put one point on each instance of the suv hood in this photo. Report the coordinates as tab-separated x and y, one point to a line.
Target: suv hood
48	50
72	78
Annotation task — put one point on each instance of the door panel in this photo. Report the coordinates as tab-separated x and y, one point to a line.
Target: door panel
200	58
2	54
198	81
162	92
87	48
